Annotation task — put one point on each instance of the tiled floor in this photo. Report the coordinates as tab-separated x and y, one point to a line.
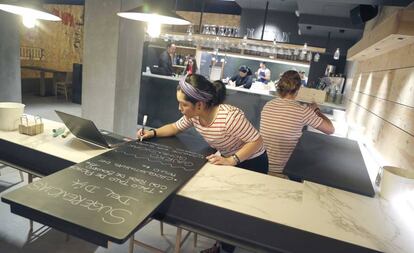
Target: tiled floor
14	230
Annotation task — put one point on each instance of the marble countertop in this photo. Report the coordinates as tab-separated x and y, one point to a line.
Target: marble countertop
69	148
369	222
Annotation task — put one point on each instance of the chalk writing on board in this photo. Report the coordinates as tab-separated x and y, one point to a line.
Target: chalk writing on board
110	215
121	198
136	183
90	172
77	184
163	160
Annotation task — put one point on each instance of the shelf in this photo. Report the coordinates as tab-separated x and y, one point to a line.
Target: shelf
265	59
184	47
179	66
394	32
263	43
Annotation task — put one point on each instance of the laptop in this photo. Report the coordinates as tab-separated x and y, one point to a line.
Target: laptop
86	130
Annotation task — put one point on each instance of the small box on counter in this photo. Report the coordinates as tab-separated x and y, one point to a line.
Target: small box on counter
311	95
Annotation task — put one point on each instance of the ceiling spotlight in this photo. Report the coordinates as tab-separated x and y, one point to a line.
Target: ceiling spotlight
337	54
308	27
297	13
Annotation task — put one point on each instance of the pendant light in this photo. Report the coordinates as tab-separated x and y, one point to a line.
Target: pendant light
153	13
337	54
30	12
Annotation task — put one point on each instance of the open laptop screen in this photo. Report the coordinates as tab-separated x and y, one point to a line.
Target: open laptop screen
83	129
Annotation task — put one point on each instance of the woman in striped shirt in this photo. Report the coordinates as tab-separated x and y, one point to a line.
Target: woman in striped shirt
224	127
283	119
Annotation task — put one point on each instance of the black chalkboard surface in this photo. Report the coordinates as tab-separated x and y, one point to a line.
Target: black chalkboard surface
113	193
331	161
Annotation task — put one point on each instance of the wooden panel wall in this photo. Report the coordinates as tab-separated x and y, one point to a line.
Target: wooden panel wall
62	42
382	103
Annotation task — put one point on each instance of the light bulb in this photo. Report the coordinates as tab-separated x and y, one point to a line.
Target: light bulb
316	57
337	54
153	29
29	22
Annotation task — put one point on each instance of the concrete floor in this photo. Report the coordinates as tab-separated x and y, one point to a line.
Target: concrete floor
14	230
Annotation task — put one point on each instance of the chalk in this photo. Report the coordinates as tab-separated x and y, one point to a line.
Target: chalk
144	122
65	134
59	131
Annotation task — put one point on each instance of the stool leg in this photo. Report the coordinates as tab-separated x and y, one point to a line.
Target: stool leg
178	241
30	180
195	239
131	244
162	228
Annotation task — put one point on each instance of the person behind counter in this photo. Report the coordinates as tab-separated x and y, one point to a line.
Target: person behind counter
243	78
165	65
303	78
263	74
282	121
191	67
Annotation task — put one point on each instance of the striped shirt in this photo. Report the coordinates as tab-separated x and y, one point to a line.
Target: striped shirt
228	132
281	125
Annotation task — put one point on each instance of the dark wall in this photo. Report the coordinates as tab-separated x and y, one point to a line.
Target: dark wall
278	22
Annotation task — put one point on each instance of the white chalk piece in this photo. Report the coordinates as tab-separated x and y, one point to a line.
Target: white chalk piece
144	122
396	181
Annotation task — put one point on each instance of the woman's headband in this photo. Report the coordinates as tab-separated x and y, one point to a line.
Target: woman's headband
193	92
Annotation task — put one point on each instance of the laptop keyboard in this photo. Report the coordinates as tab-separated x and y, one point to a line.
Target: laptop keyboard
112	140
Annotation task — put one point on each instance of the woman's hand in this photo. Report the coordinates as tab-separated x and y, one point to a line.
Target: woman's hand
219	160
145	134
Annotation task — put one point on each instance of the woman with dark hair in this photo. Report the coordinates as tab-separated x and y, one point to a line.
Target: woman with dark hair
191	67
283	119
224	127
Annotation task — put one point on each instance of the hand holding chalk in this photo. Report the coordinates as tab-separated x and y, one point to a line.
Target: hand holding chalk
144	122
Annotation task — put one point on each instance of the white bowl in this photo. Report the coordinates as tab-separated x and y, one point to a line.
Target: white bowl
10	114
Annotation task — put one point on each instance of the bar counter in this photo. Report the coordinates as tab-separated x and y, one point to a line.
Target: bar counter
259	212
158	100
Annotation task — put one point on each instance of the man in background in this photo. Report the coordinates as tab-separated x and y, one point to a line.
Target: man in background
165	65
263	74
303	78
243	78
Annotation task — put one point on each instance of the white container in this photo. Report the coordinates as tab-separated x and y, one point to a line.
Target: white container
10	115
396	181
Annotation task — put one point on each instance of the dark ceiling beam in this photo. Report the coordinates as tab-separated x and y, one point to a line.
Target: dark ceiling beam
340	23
341	1
401	3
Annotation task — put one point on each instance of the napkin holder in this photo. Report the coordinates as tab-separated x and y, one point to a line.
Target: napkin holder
31	129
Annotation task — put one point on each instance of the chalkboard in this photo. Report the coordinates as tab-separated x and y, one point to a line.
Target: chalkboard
113	193
331	161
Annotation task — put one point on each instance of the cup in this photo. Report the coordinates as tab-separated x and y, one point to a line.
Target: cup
10	114
396	181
